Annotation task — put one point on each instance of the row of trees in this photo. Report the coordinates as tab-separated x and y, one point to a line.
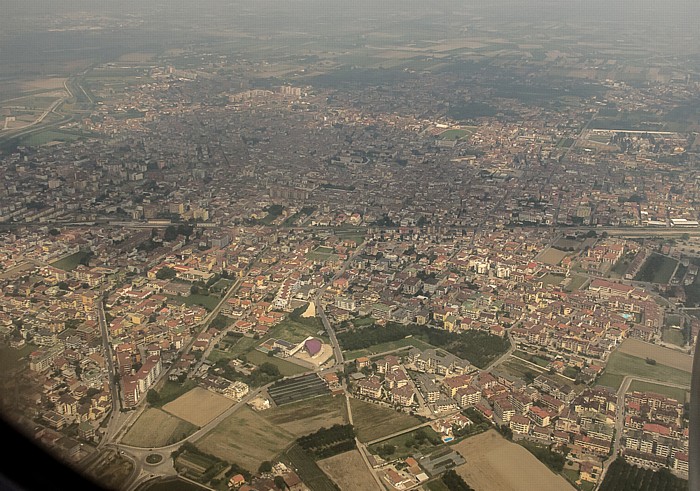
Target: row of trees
622	476
327	442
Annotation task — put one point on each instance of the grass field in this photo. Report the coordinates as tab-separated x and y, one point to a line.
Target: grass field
172	390
552	256
47	136
209	302
657	269
495	464
69	263
407	445
577	281
372	421
199	406
388	346
665	356
296	331
156	428
286	367
348	471
621	365
9	357
673	336
455	134
675	393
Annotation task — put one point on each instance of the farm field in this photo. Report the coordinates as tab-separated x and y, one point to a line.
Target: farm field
304	417
372	422
664	356
199	406
348	471
308	469
248	437
495	464
156	428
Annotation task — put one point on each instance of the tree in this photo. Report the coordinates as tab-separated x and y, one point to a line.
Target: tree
166	273
152	397
170	233
265	466
279	482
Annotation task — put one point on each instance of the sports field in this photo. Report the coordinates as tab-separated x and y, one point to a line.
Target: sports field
621	364
156	428
495	464
552	256
199	406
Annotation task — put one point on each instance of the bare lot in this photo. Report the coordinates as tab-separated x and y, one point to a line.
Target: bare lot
552	256
663	356
156	428
302	418
495	464
348	471
199	406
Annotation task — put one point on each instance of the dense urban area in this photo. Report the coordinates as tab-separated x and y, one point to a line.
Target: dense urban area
447	259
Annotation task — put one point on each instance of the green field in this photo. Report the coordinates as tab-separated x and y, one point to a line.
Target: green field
437	485
657	269
372	421
69	263
209	302
43	137
295	328
388	346
673	336
576	282
10	356
286	367
455	134
407	444
172	390
621	364
673	392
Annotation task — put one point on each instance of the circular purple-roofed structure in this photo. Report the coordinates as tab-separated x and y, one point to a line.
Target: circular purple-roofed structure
313	346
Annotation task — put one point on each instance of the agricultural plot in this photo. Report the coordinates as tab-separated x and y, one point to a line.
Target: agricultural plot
156	428
348	471
308	470
495	464
297	389
199	406
305	417
372	421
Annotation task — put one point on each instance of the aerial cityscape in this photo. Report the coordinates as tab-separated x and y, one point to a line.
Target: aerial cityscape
351	246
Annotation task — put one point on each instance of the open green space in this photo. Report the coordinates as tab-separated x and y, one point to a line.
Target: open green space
362	321
673	336
372	421
622	476
673	392
295	328
657	269
388	346
621	364
69	263
209	302
285	367
577	281
454	134
423	440
43	137
9	357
